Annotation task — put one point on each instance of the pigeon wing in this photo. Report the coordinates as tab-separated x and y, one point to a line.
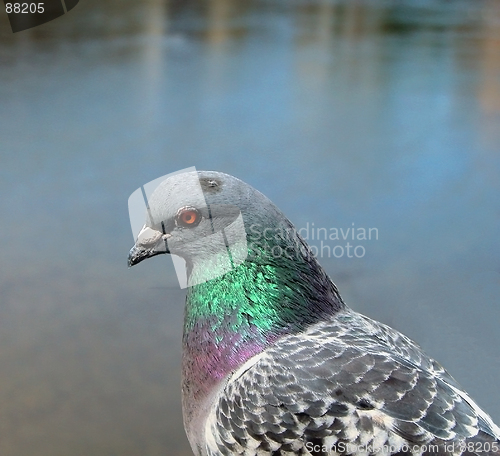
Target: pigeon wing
345	386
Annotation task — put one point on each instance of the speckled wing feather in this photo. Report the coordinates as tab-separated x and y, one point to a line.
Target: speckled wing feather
346	386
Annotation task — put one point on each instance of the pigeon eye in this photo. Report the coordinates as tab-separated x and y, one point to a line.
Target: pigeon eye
188	217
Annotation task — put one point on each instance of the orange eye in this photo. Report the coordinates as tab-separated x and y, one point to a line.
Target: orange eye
188	217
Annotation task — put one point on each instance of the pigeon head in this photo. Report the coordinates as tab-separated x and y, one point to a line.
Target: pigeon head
183	212
211	219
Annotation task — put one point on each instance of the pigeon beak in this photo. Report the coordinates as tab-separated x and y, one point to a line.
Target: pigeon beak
149	243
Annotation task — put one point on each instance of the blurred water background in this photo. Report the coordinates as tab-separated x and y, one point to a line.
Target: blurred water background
365	114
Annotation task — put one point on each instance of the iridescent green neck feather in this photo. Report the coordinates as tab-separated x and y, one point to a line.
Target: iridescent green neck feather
280	289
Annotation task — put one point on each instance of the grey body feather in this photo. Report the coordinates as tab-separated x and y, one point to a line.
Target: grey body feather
346	386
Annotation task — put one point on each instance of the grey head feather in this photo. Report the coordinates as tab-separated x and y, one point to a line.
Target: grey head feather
220	199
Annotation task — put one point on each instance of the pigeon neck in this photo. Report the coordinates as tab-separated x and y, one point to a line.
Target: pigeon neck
231	318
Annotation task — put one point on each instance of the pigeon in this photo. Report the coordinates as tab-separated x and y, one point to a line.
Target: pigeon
274	361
